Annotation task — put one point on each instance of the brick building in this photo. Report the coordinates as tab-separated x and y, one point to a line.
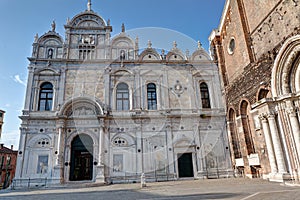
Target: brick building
257	48
8	159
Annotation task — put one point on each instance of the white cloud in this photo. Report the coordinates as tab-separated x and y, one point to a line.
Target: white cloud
17	79
7	105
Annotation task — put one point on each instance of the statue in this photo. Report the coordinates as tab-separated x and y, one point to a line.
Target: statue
199	45
89	5
149	44
175	45
53	25
123	28
36	37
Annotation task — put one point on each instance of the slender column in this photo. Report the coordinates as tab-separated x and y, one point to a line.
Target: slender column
35	99
170	150
269	145
58	147
295	129
29	89
20	158
61	90
276	143
101	148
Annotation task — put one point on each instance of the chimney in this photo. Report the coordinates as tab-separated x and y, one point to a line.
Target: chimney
12	147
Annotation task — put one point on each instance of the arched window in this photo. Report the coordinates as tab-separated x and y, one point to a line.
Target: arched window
204	95
46	97
151	96
122	97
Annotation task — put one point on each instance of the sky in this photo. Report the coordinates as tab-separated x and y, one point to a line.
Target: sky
183	21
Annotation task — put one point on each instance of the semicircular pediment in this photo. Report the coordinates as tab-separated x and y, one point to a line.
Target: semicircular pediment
87	19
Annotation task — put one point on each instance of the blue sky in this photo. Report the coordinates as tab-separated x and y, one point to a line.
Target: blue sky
20	20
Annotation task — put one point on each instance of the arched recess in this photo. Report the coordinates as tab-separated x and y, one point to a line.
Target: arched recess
81	165
263	93
286	71
244	110
82	106
233	134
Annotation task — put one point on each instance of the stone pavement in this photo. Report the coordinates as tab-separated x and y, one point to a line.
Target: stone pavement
231	189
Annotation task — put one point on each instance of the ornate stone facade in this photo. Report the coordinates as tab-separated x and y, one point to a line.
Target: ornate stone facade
257	47
98	109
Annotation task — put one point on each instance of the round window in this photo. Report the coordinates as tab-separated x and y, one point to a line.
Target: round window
231	46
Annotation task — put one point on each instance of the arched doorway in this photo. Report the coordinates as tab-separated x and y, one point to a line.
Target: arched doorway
81	166
246	127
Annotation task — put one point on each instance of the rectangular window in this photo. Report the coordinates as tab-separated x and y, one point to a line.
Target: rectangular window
118	163
8	161
2	162
1	114
42	165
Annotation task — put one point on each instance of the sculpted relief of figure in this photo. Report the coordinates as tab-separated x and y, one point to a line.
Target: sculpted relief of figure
87	39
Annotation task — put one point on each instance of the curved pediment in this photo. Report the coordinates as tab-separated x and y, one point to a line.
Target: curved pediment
47	72
50	39
86	20
200	55
149	54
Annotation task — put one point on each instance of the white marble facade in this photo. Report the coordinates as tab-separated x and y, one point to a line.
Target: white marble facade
98	109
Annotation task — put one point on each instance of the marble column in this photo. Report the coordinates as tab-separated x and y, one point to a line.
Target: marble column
170	150
58	146
100	165
295	128
20	157
101	148
266	130
277	144
28	98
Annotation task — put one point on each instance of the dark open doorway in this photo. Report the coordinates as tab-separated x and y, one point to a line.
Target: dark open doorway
81	167
185	165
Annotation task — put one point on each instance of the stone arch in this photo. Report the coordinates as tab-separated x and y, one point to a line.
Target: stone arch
87	19
200	55
263	93
149	54
122	43
184	142
286	70
50	39
47	71
91	106
129	140
34	141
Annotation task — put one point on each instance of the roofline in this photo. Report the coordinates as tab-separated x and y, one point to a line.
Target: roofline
223	18
217	31
2	111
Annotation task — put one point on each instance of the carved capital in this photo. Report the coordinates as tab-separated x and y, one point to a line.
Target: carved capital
292	111
263	117
271	115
